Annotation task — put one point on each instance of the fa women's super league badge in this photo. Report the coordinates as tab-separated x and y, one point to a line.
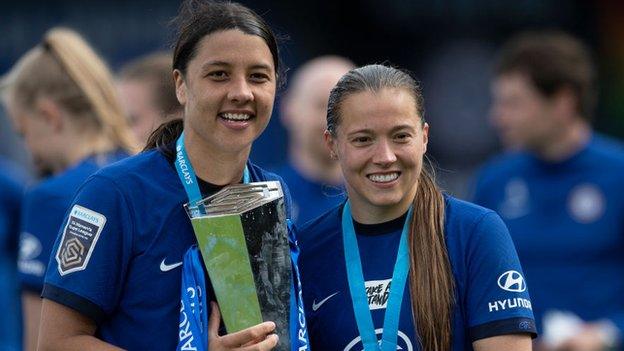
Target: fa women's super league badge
243	238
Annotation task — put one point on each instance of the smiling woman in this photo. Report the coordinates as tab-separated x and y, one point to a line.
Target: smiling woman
125	290
386	145
397	226
227	94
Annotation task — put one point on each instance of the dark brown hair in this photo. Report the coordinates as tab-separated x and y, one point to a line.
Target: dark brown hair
197	19
552	60
431	278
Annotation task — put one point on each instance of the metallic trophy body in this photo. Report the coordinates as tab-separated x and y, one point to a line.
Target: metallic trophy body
243	237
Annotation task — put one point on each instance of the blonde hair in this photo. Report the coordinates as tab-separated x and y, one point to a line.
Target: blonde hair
65	69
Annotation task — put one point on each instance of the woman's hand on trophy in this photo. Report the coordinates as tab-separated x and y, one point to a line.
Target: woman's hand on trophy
257	338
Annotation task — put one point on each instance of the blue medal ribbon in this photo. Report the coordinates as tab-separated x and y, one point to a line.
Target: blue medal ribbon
357	287
193	328
298	326
193	333
188	177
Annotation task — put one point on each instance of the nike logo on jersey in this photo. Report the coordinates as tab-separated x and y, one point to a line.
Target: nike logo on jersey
316	306
167	267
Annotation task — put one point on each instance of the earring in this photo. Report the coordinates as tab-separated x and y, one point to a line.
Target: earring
332	155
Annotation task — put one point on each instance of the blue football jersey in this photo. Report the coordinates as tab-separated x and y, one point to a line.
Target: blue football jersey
43	211
118	257
566	221
11	192
310	199
491	296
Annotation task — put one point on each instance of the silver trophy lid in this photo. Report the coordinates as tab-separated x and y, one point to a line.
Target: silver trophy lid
236	199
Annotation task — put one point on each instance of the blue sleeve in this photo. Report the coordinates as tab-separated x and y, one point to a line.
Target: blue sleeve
497	297
42	216
90	258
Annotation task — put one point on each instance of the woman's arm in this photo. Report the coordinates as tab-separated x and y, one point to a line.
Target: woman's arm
63	328
511	342
31	312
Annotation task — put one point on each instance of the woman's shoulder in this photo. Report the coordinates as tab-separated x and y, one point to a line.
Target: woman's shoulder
61	186
465	220
141	163
321	230
464	211
262	174
320	244
144	176
146	167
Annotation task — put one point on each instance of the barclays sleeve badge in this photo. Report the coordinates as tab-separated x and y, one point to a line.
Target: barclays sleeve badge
80	235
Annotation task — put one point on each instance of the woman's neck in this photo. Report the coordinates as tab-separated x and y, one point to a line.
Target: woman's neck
212	165
80	146
365	212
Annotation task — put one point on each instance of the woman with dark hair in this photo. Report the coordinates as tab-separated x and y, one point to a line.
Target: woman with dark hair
115	278
465	288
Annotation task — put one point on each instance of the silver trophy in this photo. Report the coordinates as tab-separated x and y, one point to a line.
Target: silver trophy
243	238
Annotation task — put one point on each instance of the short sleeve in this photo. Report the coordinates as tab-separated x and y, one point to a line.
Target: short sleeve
497	295
90	258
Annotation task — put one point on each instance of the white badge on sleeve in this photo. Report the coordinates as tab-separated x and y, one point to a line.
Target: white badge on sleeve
80	235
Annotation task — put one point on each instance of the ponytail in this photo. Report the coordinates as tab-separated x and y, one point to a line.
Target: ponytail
95	81
165	134
431	278
65	69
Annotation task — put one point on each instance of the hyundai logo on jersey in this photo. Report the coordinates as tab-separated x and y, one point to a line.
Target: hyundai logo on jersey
512	281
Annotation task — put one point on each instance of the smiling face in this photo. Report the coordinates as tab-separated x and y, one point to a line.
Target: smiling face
227	91
380	143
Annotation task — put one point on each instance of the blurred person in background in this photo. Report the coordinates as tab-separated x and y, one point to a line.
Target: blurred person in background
61	98
559	189
147	93
11	191
314	178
